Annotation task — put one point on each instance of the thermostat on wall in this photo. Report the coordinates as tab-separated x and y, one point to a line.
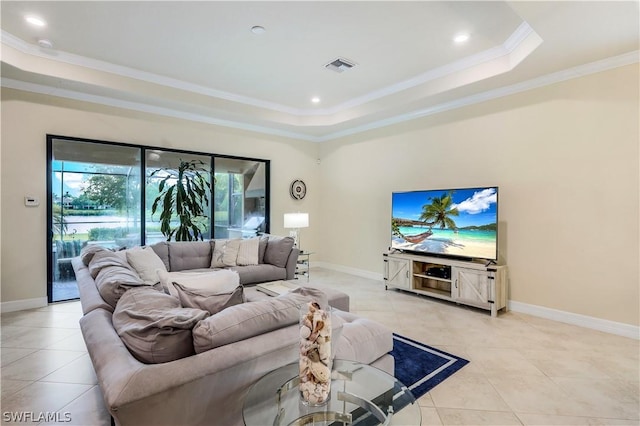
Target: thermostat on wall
31	201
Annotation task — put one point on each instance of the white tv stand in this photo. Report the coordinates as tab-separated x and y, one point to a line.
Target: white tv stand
465	282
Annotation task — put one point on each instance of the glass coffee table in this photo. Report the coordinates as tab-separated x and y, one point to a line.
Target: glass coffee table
360	394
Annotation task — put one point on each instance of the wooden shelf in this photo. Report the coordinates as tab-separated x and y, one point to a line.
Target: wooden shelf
440	294
430	277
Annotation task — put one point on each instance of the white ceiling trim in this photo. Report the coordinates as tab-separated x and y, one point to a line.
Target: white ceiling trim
146	108
582	70
519	36
515	40
94	64
557	77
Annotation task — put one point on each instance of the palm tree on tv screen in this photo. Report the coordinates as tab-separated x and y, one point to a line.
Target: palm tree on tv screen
439	212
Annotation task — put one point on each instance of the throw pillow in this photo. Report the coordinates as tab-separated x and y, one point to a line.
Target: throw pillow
162	250
278	251
113	281
105	258
225	253
262	247
88	251
146	263
248	252
250	319
212	301
154	327
223	280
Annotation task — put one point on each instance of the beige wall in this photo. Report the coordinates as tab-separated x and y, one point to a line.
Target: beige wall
564	156
566	160
27	118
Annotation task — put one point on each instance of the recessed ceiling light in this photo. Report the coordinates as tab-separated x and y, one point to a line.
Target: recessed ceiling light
34	20
315	100
43	42
461	38
257	29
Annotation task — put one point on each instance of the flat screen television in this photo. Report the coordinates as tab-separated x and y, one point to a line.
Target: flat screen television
446	222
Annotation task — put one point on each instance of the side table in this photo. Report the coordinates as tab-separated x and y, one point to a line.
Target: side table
303	265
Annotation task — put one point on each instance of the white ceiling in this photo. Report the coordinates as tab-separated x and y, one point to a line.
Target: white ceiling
201	61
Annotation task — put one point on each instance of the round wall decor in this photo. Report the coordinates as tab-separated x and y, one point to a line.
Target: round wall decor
298	189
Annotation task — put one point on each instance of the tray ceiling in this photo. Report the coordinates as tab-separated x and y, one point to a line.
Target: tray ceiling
201	60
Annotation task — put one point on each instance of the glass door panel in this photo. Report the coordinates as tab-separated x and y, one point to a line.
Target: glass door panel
94	200
157	162
239	197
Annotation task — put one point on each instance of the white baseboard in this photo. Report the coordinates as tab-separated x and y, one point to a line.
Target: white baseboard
612	327
23	304
349	270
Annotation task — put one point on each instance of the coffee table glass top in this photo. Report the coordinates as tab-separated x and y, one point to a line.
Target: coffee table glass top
360	394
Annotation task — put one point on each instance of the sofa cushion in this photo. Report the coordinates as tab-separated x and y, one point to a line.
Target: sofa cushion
248	252
225	252
278	250
105	258
220	280
185	255
210	300
146	263
113	281
246	320
252	274
154	327
162	250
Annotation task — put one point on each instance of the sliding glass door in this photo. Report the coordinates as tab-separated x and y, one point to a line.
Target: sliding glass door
102	193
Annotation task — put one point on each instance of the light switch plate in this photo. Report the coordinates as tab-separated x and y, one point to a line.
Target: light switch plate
31	201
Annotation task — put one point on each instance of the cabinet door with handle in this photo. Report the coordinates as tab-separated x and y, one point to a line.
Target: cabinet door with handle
472	287
396	272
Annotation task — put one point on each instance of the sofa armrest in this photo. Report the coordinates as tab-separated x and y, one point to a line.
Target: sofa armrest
90	297
292	261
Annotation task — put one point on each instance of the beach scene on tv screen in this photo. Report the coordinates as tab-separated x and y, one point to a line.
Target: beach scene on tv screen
460	222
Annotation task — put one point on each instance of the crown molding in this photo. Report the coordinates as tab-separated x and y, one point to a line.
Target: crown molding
149	109
516	39
579	71
94	64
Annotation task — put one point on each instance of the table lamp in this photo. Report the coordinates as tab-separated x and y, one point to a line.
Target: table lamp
295	221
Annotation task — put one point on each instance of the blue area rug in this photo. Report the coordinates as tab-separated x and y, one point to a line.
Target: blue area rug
420	367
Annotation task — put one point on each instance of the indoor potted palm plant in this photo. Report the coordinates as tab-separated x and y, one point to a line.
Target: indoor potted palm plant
182	196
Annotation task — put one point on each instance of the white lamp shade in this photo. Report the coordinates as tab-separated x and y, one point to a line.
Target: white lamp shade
296	220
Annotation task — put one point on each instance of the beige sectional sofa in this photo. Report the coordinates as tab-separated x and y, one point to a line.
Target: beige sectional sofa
207	387
276	260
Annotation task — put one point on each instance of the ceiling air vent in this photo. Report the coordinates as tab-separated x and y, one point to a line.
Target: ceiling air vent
339	65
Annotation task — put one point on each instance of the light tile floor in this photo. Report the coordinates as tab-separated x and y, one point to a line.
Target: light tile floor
523	371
